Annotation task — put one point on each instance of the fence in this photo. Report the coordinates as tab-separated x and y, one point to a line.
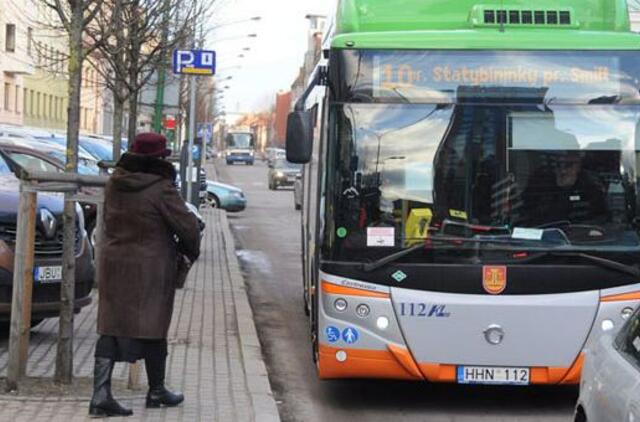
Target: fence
31	183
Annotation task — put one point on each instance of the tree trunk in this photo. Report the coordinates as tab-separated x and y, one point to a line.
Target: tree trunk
64	357
135	48
118	113
133	117
119	86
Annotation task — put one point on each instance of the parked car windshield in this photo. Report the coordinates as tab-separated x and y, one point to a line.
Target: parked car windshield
100	150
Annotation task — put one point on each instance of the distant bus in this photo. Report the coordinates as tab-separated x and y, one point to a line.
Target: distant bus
240	148
471	207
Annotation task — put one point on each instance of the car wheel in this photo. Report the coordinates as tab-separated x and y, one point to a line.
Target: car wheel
213	201
229	163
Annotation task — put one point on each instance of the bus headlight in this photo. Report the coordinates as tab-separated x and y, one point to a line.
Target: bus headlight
382	323
626	313
607	325
340	304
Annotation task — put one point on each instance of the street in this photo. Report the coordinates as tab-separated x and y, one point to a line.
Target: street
267	235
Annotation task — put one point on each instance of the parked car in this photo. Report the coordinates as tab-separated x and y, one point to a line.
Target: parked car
226	197
48	251
50	158
610	388
283	173
274	154
101	150
297	193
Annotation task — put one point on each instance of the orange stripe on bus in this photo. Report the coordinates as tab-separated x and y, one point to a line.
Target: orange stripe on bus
405	359
361	363
553	375
436	372
575	373
621	297
335	289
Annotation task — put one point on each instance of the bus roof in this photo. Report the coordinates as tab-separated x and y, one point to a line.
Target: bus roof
526	24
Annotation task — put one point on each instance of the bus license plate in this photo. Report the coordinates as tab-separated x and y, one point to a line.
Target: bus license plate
493	375
48	274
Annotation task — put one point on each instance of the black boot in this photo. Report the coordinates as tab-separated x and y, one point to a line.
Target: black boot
158	395
102	403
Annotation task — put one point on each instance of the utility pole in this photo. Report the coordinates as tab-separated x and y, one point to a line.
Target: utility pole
162	71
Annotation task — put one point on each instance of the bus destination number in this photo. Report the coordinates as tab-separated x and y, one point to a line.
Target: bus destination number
423	310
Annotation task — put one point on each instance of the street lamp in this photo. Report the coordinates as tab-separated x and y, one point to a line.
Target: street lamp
236	37
254	18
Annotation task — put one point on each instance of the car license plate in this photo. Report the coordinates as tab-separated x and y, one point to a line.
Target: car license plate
493	375
48	274
202	194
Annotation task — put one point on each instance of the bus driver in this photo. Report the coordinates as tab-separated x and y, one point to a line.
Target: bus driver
568	193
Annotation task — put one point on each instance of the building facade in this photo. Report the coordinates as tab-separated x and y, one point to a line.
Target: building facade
15	64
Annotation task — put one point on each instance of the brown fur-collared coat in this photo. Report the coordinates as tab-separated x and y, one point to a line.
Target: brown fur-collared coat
144	215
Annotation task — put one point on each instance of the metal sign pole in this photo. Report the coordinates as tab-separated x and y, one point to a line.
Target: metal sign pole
192	132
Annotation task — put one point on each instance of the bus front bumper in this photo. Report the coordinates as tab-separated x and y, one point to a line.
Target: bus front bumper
362	335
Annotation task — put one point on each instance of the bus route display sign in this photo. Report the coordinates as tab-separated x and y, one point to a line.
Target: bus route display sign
194	62
420	75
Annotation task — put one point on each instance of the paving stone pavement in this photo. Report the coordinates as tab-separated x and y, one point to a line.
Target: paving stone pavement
214	353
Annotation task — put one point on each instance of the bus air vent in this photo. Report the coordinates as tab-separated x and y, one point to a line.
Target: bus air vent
490	16
514	17
565	18
502	16
526	17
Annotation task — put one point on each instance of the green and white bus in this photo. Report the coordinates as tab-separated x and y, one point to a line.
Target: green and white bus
471	186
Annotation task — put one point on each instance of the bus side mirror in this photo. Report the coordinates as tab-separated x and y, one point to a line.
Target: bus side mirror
300	136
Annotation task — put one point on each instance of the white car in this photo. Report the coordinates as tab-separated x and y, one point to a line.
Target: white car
610	387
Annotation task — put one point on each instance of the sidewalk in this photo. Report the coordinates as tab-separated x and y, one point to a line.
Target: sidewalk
214	353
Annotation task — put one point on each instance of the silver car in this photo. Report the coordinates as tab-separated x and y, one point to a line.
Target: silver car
610	388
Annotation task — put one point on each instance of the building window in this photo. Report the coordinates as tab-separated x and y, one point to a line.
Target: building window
7	96
31	102
16	104
51	115
29	40
38	105
24	101
10	38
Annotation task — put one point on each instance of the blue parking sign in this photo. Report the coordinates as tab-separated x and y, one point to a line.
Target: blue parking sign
194	62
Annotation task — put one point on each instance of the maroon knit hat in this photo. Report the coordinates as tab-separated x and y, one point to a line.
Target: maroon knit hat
151	144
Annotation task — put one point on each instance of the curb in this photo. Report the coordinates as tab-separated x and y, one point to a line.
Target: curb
255	370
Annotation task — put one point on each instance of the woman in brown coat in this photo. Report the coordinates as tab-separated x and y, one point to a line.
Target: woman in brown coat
146	226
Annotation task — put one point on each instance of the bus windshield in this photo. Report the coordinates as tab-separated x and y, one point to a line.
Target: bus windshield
240	140
485	170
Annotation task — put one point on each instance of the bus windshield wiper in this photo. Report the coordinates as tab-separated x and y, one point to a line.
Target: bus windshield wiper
371	266
601	262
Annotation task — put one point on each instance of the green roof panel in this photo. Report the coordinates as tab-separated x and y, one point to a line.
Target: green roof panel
356	16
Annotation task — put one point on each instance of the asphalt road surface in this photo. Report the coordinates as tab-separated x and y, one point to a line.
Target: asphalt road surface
268	237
